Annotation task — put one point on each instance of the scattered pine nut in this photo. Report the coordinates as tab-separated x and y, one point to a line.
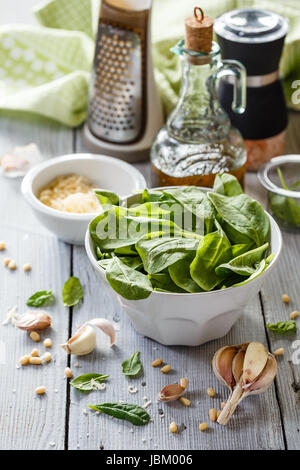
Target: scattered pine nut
68	373
6	261
279	352
37	361
212	414
294	315
2	245
285	298
35	336
165	369
12	265
40	390
34	353
47	357
203	426
210	392
223	405
218	413
48	342
185	401
157	362
173	427
184	382
27	267
24	360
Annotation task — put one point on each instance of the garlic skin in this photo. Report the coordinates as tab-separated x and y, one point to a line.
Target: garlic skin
83	342
105	325
34	320
171	392
245	369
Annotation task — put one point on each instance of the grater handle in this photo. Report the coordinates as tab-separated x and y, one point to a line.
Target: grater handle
235	69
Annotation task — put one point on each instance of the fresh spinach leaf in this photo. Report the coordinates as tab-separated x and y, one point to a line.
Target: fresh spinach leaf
40	298
261	267
88	382
126	281
72	292
283	327
107	198
181	275
133	366
133	262
227	184
245	264
133	413
163	282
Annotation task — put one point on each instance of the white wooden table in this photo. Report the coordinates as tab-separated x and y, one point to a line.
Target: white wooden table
60	419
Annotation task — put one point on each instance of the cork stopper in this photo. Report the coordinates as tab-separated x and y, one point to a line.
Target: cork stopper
199	31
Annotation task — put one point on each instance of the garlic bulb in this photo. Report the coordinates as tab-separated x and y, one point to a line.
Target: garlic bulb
32	321
84	340
245	369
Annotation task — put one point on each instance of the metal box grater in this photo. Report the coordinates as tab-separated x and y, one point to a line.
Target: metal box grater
122	82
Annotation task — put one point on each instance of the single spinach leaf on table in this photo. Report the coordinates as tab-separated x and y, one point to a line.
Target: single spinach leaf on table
163	282
126	281
227	184
243	265
181	274
88	382
243	218
107	198
133	366
72	292
133	413
283	327
40	298
159	252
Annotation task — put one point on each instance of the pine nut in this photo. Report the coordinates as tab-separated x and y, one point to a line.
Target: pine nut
6	261
210	392
34	353
40	390
68	373
184	382
27	267
47	357
185	401
12	265
203	426
24	360
223	405
285	298
35	360
173	427
218	413
157	362
34	335
48	342
279	352
212	414
2	245
294	315
165	369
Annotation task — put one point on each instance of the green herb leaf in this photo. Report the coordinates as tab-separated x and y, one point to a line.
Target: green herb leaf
133	366
107	197
72	292
227	184
126	281
42	297
283	327
88	382
133	413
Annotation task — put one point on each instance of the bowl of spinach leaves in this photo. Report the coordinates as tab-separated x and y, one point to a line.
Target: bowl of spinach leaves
184	261
281	178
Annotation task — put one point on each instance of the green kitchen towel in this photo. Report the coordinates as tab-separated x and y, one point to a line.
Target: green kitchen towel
46	69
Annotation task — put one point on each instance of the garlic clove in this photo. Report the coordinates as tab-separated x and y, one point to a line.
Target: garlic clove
82	342
105	325
171	392
255	360
237	365
222	365
32	321
265	380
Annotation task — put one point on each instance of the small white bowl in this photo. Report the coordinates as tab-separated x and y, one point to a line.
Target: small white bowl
190	319
106	172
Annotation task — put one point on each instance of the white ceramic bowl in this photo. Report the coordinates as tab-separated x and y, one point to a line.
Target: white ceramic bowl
190	319
106	172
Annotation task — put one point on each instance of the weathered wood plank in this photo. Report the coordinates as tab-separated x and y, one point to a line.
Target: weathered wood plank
26	421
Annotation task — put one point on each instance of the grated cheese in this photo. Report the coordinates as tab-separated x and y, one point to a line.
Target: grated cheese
70	193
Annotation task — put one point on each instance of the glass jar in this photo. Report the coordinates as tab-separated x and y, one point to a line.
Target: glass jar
198	140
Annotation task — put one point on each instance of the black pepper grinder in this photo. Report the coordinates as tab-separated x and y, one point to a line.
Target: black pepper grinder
255	38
